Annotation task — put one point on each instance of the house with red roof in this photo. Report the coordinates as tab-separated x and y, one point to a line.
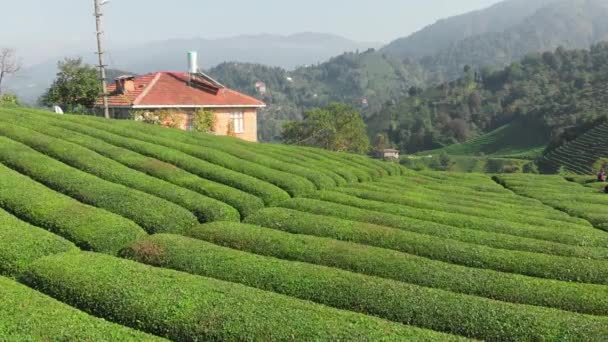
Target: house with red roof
176	98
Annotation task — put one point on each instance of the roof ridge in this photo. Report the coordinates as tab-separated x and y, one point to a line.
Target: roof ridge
147	89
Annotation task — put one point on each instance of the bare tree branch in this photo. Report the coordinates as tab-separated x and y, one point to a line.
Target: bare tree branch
9	64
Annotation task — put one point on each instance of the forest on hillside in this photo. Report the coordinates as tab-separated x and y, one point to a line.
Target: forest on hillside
557	92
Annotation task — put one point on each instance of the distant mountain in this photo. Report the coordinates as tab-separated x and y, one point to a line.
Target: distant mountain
274	50
441	35
503	33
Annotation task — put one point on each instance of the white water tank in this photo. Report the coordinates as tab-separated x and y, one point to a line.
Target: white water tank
192	62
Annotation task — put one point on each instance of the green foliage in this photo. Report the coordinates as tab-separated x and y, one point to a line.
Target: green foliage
88	227
465	221
267	192
337	127
294	185
21	244
381	297
27	315
243	151
242	201
203	121
555	191
204	208
478	237
185	307
546	93
150	212
399	266
8	100
298	222
77	84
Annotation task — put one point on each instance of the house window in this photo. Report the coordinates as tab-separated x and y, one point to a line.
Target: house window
238	122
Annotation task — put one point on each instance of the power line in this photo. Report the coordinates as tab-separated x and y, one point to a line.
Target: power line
100	53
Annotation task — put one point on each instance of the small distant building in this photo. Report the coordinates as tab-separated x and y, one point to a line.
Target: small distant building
261	87
183	94
388	154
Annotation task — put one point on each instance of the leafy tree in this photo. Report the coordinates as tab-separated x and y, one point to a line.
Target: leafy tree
337	127
77	85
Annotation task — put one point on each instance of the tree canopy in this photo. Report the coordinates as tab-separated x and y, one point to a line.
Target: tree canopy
337	127
77	85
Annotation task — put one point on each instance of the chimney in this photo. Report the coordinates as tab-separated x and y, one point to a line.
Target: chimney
125	84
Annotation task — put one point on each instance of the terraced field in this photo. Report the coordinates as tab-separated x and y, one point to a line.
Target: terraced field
125	231
579	155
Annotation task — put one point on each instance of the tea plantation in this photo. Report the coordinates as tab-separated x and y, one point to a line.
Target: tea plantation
117	230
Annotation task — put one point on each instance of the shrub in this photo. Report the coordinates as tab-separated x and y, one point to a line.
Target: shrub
206	209
245	203
429	228
565	235
9	100
21	244
89	228
295	185
150	212
428	308
320	180
203	121
586	298
26	315
298	222
456	199
269	193
185	307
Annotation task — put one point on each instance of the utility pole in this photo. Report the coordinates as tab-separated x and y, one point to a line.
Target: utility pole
100	53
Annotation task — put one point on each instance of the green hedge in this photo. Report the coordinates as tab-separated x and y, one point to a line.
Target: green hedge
22	243
88	227
408	268
339	180
150	212
557	192
580	237
293	184
477	237
299	222
206	209
26	315
245	203
291	155
185	307
255	155
269	193
447	202
409	304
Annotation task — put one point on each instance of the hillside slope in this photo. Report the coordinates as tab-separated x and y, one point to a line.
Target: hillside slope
189	236
580	155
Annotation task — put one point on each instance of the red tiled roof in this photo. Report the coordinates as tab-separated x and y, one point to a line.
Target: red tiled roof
172	89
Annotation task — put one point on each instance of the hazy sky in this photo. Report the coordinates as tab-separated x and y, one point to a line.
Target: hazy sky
44	27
